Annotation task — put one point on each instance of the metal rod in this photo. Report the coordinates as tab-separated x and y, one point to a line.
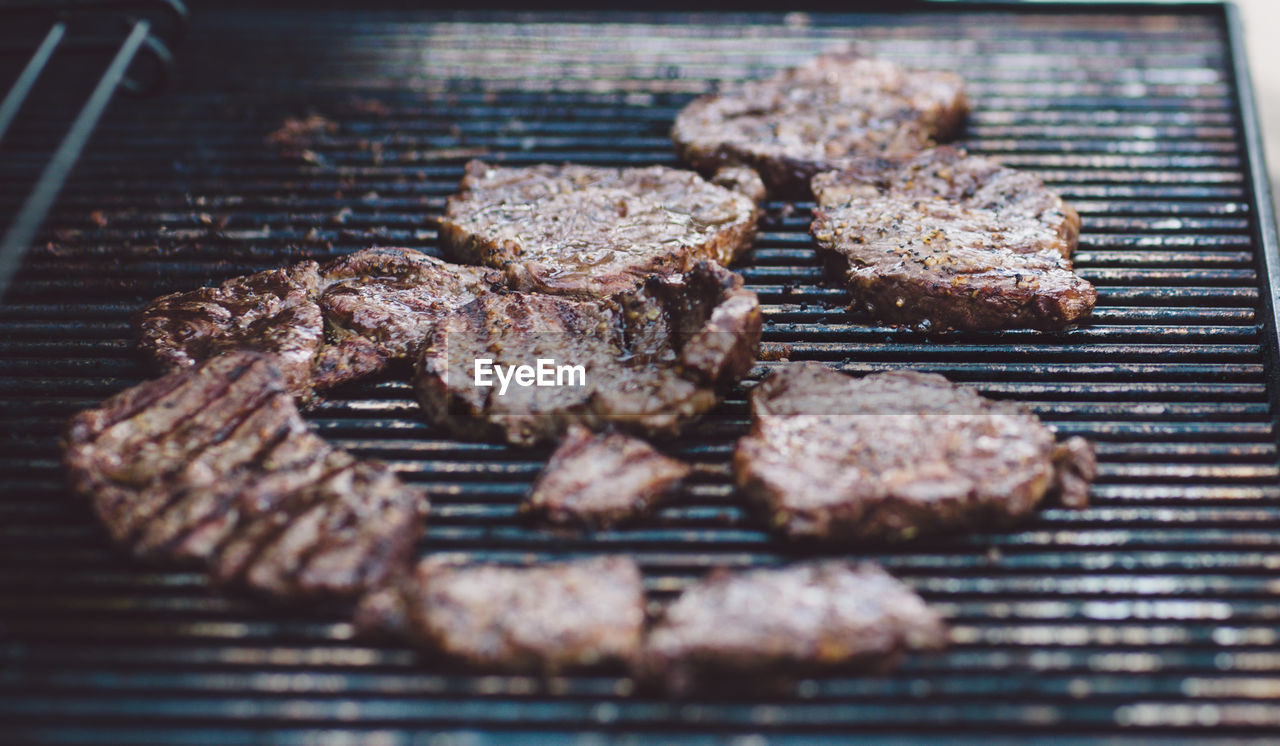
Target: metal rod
64	158
22	86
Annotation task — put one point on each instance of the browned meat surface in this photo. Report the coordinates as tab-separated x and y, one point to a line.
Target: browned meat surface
272	311
326	325
939	264
1076	464
543	618
652	360
602	480
948	174
213	463
593	232
817	117
896	455
743	180
750	627
395	297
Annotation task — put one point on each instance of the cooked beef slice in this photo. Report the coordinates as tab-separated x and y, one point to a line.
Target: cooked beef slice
542	618
593	232
752	626
896	455
272	311
949	174
212	463
937	264
327	325
651	361
395	297
817	117
602	480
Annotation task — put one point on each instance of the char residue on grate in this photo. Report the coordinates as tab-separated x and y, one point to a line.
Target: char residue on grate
1154	609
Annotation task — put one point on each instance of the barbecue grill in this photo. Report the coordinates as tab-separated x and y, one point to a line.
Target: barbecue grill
1154	613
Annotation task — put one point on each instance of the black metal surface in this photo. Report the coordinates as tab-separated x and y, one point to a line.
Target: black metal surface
141	41
1154	613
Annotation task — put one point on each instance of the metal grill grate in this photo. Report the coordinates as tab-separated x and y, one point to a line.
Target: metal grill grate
1156	609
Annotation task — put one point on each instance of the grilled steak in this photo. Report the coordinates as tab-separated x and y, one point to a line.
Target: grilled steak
938	264
733	626
544	618
817	117
652	360
213	463
272	311
948	174
896	455
593	232
395	297
326	325
602	480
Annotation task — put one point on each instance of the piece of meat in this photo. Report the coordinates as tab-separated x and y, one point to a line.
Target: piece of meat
938	264
327	325
602	480
651	361
892	456
1075	465
743	180
949	174
593	232
272	311
816	117
213	464
749	628
395	297
543	618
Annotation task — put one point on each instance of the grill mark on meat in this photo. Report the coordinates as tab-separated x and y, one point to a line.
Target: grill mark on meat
270	519
727	629
222	468
163	491
600	481
894	456
125	437
196	500
545	618
817	117
593	232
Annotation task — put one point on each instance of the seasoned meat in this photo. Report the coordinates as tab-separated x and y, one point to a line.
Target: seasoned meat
817	117
734	627
896	455
651	361
938	264
602	480
395	297
213	464
593	232
543	618
742	180
326	325
272	311
948	174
